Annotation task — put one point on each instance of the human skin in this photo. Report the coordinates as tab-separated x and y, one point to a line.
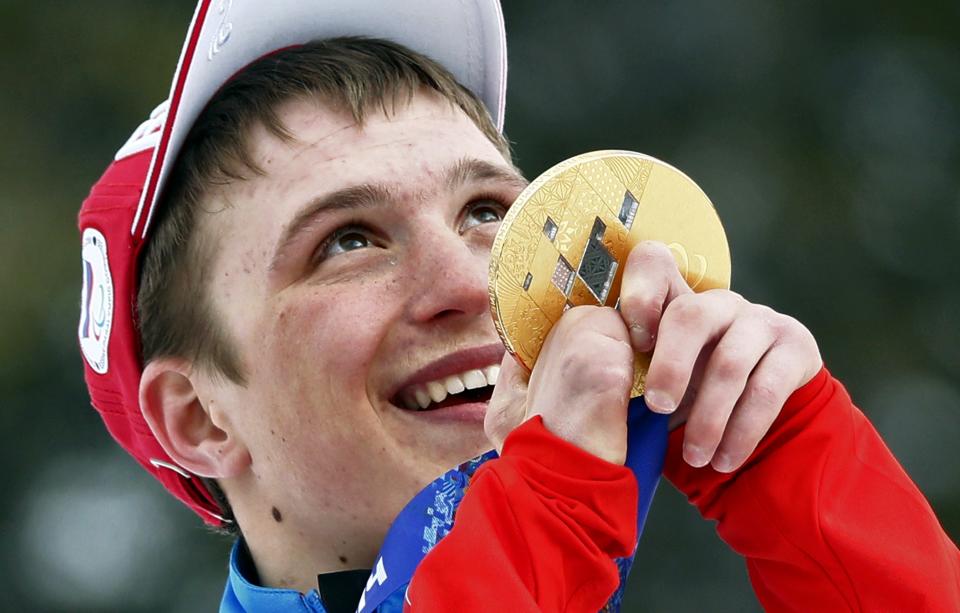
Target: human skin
313	451
721	365
325	344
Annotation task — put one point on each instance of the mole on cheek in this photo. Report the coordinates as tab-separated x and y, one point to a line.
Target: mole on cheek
277	517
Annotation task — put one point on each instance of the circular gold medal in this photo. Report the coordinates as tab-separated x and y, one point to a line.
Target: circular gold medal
565	241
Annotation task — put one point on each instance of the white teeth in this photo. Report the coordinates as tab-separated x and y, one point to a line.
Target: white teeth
454	384
419	397
437	390
474	379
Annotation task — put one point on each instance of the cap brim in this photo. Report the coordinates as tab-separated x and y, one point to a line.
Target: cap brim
466	37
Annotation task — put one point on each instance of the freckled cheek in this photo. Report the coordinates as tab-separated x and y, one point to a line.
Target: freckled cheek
319	353
328	339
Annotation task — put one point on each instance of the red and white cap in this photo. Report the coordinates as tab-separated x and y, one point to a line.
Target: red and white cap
466	37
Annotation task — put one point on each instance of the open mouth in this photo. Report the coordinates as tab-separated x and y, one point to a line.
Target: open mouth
471	386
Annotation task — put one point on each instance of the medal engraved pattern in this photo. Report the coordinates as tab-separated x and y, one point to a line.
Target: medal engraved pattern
565	242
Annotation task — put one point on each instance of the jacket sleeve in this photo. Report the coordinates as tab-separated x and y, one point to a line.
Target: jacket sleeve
825	516
536	531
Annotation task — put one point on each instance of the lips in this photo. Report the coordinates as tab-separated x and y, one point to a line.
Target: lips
464	376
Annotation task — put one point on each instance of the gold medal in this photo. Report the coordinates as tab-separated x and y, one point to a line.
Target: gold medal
565	241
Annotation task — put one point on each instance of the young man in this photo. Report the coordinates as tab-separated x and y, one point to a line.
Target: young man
285	320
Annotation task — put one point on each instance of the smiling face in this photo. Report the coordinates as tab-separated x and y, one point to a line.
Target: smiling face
352	277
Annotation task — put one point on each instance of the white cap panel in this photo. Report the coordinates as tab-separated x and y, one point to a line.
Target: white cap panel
466	36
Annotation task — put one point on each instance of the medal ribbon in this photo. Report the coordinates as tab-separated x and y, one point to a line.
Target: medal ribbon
429	516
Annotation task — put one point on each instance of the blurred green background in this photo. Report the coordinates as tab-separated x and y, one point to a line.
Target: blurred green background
827	135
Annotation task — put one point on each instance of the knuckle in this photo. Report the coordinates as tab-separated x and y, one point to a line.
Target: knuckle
571	364
575	322
670	371
686	310
764	391
612	370
571	317
790	328
652	252
712	432
733	295
764	312
726	295
775	321
707	433
613	379
802	344
652	261
634	302
607	323
728	363
641	306
778	324
614	348
650	257
582	365
608	372
622	366
594	353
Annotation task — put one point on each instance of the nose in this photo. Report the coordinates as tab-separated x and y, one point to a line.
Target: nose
448	276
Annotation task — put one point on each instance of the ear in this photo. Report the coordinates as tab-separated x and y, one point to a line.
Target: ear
197	438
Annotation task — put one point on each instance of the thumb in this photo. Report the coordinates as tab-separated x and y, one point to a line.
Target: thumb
508	404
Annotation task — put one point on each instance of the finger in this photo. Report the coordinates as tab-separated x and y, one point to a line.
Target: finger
588	351
651	280
507	406
690	323
593	398
723	381
581	382
767	389
679	417
602	320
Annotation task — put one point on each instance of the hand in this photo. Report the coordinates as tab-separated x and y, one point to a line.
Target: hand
720	364
580	385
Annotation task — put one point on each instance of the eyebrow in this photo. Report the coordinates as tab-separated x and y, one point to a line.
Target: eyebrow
472	170
368	195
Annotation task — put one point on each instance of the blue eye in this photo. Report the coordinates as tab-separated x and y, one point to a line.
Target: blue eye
483	212
346	239
350	241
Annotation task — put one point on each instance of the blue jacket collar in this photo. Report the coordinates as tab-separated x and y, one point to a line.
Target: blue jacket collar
242	595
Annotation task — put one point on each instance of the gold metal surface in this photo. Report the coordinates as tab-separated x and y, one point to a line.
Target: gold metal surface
565	241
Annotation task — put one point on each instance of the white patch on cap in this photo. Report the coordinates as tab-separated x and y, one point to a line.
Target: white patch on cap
96	301
147	134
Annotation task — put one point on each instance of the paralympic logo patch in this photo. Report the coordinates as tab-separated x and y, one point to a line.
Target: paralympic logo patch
96	301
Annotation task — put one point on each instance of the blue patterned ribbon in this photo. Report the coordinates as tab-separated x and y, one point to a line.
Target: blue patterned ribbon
429	516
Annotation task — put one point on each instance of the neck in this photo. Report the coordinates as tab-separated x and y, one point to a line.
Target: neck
289	553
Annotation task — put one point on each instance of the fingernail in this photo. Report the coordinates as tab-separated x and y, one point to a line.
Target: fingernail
641	339
695	456
722	463
659	402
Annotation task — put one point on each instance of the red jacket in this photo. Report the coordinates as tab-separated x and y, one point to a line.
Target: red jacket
824	515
